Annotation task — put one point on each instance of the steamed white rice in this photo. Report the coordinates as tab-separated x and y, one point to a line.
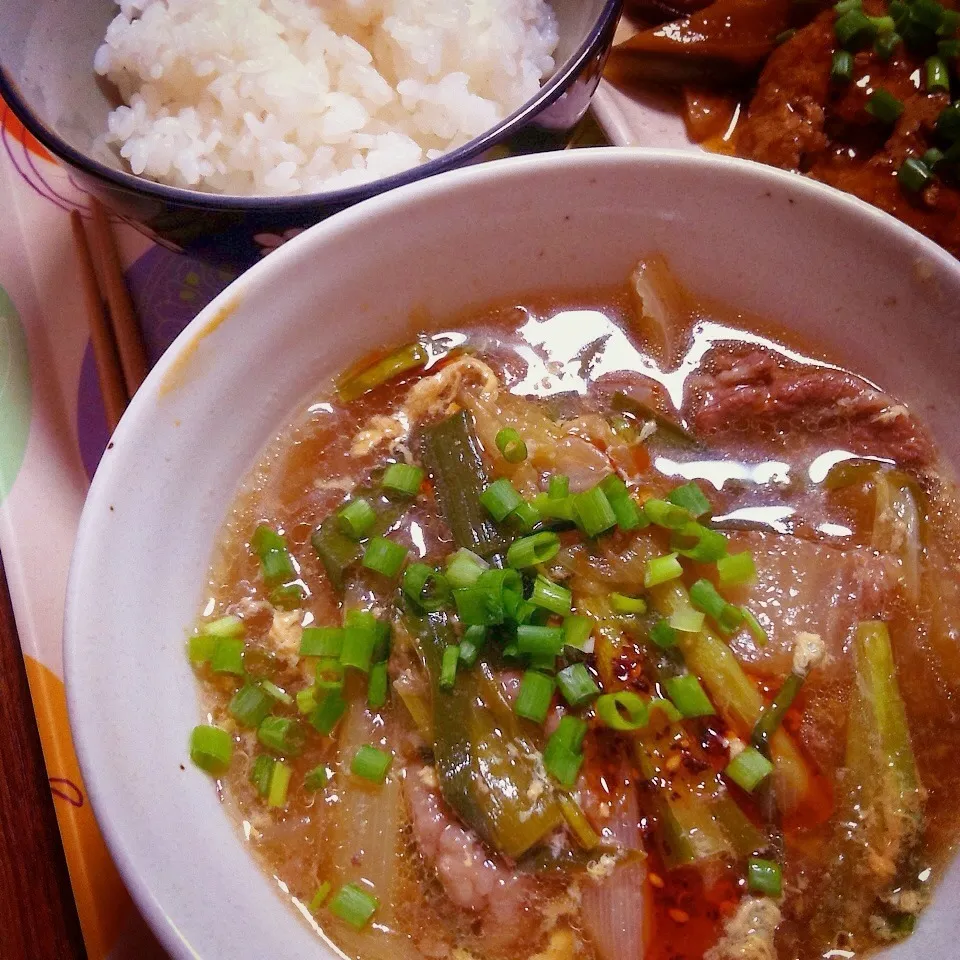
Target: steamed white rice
294	96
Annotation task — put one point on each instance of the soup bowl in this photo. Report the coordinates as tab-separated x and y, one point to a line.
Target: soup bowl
47	78
850	279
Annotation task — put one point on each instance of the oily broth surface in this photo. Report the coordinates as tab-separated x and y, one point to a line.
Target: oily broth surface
549	348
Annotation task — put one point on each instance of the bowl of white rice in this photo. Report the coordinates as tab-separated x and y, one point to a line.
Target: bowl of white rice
221	127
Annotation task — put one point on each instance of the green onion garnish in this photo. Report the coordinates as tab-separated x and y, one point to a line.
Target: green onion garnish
275	561
529	551
844	6
932	157
558	487
526	518
329	674
539	641
211	748
289	596
470	643
841	68
748	769
624	506
328	712
276	693
623	710
464	568
661	569
913	175
371	763
306	699
697	542
663	635
686	620
570	732
317	778
536	692
667	515
448	667
577	630
281	735
365	639
249	705
200	648
688	696
321	641
357	518
764	877
511	445
427	588
948	123
554	508
353	385
884	106
403	478
691	498
886	43
384	556
773	713
576	685
561	763
260	773
753	625
736	568
621	603
279	785
354	905
320	897
593	511
851	26
501	499
377	686
704	596
665	707
227	656
228	626
551	596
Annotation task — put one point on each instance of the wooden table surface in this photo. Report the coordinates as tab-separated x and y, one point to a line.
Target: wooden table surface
38	916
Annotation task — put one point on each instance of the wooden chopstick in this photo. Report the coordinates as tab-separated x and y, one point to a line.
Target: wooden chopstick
126	332
112	386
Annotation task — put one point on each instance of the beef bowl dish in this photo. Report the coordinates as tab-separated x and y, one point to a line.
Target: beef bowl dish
589	621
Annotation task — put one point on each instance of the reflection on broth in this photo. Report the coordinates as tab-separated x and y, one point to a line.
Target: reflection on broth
606	629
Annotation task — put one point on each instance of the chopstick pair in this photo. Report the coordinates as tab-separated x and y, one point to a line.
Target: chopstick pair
118	350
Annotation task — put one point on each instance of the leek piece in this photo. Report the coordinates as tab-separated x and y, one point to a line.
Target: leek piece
355	384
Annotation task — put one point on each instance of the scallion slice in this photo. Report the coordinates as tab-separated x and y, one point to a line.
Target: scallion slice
464	568
377	686
384	556
282	735
686	620
321	642
371	763
426	587
570	732
691	498
554	508
623	710
403	478
306	699
561	763
501	499
624	507
276	693
913	175
470	643
539	641
357	518
577	632
576	685
275	560
211	748
227	656
329	674
704	596
320	897
841	67
200	648
279	785
938	76
511	445
328	712
529	551
661	569
558	488
536	692
736	568
362	634
317	778
249	705
884	106
688	696
551	596
354	905
764	877
663	635
700	543
260	773
227	626
753	624
621	603
665	707
661	513
748	769
593	511
448	667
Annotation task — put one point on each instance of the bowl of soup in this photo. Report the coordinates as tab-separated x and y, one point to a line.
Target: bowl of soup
568	569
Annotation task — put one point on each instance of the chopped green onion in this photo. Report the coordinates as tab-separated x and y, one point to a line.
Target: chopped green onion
403	478
211	748
700	543
665	707
475	607
464	568
577	685
529	551
577	630
748	769
771	716
691	498
260	773
317	778
844	6
227	656
426	587
686	620
249	705
554	508
542	641
551	596
357	518
275	560
353	385
841	68
753	625
279	785
884	106
764	877
949	22
736	568
661	513
501	499
361	635
621	603
328	712
913	175
281	735
625	508
561	763
321	642
307	699
354	905
448	667
287	597
511	445
377	686
570	732
319	898
329	674
704	596
932	157
663	635
536	692
886	43
200	648
276	693
948	123
661	569
384	556
852	27
470	643
623	710
949	49
371	763
688	696
559	487
526	518
228	626
593	511
265	539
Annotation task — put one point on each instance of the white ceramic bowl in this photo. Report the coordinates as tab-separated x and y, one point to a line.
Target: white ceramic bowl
866	288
